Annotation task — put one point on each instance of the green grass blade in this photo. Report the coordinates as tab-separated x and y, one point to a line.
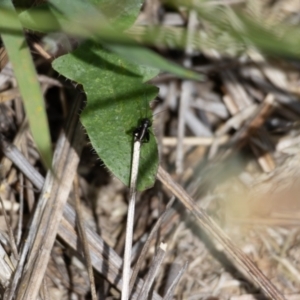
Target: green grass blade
26	76
149	58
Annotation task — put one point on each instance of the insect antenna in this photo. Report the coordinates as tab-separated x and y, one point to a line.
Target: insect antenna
158	104
159	112
146	107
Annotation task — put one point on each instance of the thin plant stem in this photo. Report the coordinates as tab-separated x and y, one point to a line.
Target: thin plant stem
21	209
130	219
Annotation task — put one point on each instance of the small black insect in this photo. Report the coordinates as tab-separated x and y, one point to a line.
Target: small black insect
141	133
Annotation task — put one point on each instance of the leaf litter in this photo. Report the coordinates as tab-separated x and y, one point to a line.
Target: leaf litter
239	159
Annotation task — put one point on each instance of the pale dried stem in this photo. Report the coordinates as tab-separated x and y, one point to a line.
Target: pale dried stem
130	219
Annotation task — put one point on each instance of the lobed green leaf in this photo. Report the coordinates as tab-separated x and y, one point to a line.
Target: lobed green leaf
117	99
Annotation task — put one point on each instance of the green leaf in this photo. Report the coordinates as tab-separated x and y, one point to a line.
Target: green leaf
149	58
25	73
117	99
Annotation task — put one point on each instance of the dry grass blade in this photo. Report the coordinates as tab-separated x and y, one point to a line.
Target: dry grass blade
185	96
262	297
195	141
237	93
146	246
13	154
83	236
6	268
45	290
9	95
156	263
170	291
7	148
263	111
3	58
10	232
20	221
214	230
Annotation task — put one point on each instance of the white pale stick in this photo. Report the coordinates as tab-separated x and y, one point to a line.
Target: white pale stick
130	218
